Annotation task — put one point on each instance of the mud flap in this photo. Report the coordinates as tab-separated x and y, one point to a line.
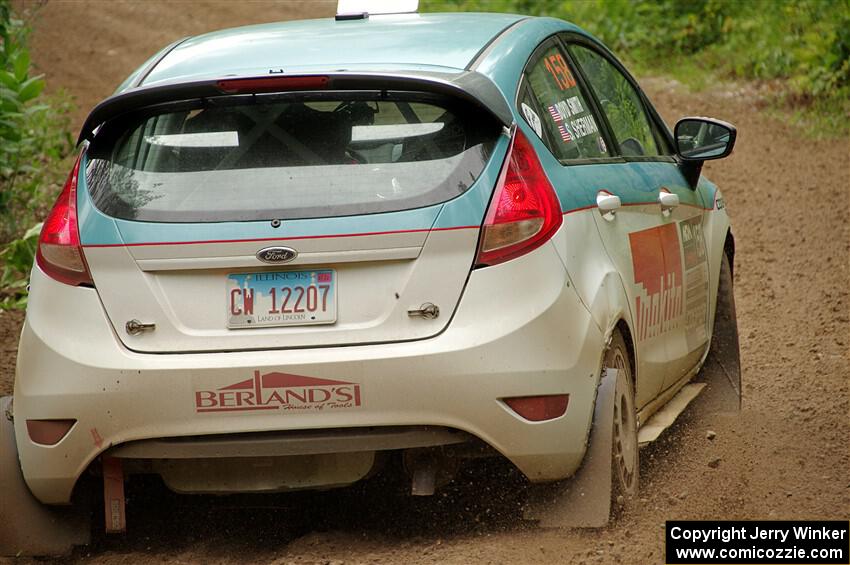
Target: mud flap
584	501
115	516
28	527
722	368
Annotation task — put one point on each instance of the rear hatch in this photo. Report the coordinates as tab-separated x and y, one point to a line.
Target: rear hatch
280	220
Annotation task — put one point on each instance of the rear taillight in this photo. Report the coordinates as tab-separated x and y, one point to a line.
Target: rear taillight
525	211
59	253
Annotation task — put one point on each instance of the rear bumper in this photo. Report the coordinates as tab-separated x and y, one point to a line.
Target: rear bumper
508	338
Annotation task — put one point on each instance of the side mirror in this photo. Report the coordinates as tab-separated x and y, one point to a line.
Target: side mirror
704	139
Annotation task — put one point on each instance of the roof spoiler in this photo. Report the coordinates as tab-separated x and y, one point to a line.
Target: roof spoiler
470	86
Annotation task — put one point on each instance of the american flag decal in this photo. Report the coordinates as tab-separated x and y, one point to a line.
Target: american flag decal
556	115
565	134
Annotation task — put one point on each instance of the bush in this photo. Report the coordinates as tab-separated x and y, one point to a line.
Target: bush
34	133
17	257
34	141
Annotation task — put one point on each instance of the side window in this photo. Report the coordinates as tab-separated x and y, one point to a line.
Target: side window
620	102
566	125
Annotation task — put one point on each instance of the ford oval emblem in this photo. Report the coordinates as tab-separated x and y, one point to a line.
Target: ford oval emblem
276	254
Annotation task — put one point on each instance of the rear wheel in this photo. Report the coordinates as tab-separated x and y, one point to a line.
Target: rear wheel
624	461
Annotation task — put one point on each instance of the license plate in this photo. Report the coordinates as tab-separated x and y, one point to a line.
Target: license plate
285	298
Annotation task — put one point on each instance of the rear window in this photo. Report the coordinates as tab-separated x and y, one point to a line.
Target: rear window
263	157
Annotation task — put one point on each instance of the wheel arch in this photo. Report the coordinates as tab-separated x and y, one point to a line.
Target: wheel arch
623	327
611	310
719	242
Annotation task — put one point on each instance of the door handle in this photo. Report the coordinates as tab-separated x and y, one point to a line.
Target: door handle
608	204
668	200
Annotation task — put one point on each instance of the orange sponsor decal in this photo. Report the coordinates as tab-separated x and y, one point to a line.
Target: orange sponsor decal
658	276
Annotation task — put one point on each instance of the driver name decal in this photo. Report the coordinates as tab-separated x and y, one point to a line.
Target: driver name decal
279	391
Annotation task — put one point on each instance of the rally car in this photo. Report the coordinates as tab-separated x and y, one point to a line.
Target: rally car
289	251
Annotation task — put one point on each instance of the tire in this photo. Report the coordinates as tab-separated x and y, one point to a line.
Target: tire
725	348
625	464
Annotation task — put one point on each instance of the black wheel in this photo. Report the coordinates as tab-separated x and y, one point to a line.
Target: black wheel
725	350
625	465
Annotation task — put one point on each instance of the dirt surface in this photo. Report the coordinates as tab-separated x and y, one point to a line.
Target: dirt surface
786	455
10	329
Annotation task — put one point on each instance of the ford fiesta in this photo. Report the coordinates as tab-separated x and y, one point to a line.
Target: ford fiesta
289	251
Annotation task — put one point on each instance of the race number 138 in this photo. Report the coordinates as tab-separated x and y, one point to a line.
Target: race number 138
557	67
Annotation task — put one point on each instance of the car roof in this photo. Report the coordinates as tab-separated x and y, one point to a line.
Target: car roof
439	42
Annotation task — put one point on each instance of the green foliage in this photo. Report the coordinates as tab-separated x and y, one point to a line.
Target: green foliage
803	45
34	133
17	257
34	141
16	88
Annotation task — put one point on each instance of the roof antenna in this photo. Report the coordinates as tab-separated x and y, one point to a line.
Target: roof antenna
352	16
362	9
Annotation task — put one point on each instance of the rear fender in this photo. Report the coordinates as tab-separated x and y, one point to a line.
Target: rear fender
597	282
611	305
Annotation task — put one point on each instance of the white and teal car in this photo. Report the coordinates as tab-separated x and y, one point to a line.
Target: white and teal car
290	251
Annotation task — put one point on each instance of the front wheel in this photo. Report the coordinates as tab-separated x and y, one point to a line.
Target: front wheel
625	468
725	350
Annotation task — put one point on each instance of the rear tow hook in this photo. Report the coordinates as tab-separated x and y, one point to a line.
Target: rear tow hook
429	311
